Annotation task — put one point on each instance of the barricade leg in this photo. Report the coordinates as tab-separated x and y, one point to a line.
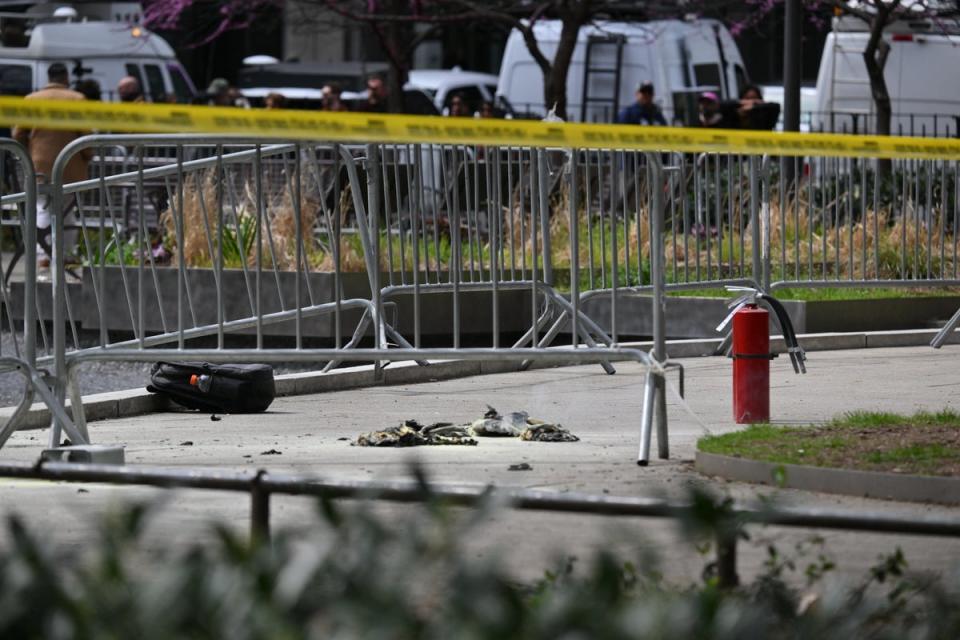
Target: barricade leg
13	422
76	405
54	194
663	442
658	277
646	422
944	334
37	385
365	320
540	323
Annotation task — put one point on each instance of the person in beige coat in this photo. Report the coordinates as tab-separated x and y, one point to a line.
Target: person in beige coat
44	145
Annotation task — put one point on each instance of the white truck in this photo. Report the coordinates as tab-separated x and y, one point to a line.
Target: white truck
102	50
922	74
682	58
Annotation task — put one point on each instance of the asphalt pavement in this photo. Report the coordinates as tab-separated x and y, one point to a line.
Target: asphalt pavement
312	434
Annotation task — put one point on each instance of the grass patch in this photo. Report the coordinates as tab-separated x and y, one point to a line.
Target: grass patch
924	443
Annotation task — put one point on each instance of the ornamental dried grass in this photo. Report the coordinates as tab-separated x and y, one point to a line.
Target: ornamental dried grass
278	230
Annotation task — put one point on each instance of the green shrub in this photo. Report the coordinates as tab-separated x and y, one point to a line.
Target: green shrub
408	576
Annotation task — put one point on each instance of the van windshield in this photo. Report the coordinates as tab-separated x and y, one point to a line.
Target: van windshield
15	79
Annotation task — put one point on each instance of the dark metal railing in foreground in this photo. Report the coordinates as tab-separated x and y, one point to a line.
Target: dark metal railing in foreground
261	485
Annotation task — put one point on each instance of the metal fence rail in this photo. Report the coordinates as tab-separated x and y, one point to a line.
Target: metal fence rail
262	485
652	407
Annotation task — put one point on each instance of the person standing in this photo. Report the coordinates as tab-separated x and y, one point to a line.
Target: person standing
487	110
377	95
275	101
458	107
331	100
717	114
218	93
644	111
44	145
128	90
90	89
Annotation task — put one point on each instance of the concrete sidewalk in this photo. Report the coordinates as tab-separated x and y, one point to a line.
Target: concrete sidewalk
312	434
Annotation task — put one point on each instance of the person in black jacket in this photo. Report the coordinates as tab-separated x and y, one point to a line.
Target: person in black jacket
644	110
715	114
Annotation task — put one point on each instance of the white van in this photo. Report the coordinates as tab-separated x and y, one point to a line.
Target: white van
681	58
922	74
102	51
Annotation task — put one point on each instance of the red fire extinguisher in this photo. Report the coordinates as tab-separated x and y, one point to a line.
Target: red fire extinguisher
751	365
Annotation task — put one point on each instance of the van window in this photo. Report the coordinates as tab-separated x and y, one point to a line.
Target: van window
134	70
707	75
181	87
157	91
741	76
15	79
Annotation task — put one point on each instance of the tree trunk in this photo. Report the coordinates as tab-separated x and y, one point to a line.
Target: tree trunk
555	81
875	57
397	36
392	36
396	78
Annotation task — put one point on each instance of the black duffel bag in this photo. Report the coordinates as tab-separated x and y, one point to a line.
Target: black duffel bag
215	388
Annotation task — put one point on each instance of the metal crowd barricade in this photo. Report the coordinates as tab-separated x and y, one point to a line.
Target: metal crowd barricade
710	206
852	222
463	220
863	222
221	212
768	223
19	304
277	212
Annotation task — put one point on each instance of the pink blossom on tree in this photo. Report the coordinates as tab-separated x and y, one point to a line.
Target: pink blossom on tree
166	15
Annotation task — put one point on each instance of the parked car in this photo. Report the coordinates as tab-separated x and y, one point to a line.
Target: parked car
415	101
442	84
99	50
266	76
808	104
681	58
301	83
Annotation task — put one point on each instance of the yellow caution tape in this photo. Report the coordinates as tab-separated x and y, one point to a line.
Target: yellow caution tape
364	127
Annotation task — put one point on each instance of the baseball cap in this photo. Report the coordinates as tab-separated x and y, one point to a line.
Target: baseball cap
645	87
709	96
218	86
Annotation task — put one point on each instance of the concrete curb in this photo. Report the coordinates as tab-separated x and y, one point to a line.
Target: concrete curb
121	404
864	484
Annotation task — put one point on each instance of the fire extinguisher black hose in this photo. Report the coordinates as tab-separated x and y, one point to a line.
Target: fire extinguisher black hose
794	350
